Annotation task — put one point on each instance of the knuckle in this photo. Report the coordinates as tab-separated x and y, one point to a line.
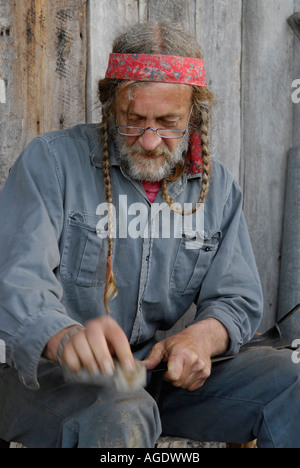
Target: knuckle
206	372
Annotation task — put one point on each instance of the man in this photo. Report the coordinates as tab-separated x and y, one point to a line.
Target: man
88	273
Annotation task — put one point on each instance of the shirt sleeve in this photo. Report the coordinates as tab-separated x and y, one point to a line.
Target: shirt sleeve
31	219
231	291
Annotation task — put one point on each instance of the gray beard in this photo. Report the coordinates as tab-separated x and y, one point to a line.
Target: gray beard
149	170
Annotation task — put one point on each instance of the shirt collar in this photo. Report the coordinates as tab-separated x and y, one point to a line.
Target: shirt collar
96	154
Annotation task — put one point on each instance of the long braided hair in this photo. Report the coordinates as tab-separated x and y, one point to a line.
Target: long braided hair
153	38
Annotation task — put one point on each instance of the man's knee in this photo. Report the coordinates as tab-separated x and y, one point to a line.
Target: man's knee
114	420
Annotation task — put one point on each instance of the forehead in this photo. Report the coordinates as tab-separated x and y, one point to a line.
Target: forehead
157	98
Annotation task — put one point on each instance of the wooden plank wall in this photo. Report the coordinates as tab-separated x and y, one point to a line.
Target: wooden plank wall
42	70
52	53
296	76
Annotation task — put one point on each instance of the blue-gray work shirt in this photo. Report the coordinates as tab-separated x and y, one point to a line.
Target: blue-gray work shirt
52	258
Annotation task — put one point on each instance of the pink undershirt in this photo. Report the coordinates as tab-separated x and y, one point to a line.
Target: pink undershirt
151	189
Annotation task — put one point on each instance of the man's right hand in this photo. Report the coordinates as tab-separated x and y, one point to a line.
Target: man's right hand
93	347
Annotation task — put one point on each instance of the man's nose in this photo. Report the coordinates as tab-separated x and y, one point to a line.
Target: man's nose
150	140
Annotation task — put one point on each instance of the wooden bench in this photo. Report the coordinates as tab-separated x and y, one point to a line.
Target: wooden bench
166	442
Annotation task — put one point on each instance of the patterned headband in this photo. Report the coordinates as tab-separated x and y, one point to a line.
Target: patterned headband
157	68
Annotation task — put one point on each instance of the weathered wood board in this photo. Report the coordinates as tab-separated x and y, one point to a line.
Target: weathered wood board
43	70
179	11
296	76
219	33
106	19
267	128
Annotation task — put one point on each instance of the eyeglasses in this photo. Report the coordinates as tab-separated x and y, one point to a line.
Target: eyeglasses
161	132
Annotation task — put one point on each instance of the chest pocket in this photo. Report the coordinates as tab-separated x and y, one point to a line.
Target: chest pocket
194	256
83	259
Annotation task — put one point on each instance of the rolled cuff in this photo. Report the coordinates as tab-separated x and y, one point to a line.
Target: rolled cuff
234	332
26	352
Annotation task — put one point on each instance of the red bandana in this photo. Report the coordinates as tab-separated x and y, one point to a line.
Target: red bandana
163	69
193	159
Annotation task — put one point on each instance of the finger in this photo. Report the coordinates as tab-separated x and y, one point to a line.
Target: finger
119	343
184	370
88	348
175	368
196	385
100	350
198	374
155	357
93	358
70	358
116	342
198	381
189	381
77	353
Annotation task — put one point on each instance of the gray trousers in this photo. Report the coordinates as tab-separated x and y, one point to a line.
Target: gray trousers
255	395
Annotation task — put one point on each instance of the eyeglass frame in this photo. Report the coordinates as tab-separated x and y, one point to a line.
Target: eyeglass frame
117	127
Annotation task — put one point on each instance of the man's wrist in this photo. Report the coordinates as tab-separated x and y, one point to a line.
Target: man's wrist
51	349
213	333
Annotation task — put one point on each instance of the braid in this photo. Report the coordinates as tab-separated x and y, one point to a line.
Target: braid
204	127
205	155
171	202
166	196
110	290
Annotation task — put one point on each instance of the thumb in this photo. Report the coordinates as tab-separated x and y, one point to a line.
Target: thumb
155	357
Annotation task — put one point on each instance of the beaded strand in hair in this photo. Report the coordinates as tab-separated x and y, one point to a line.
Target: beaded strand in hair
204	127
110	290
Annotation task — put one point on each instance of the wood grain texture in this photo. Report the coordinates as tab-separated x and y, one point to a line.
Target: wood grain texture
267	128
8	121
180	11
43	64
106	19
219	33
296	76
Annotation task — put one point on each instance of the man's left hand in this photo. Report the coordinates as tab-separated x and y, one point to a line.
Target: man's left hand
188	353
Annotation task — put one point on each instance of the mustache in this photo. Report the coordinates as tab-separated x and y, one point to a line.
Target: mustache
135	149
